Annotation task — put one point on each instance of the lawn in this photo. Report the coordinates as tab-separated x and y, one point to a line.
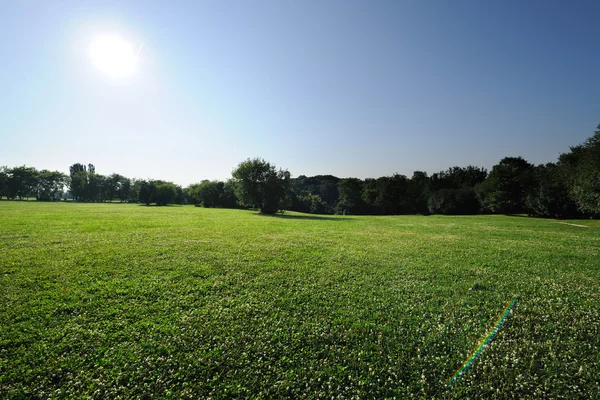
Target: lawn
128	301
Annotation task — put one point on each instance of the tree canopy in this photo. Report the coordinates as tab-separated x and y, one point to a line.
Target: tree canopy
568	188
257	183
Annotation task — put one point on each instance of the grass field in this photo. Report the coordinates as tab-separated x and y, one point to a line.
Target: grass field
116	300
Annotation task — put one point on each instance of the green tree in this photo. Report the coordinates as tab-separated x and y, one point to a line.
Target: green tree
549	194
452	191
123	190
228	196
311	203
134	192
350	196
95	189
418	191
392	195
78	181
369	196
111	185
180	197
191	194
208	193
259	184
583	166
166	193
21	182
324	186
50	185
147	192
3	181
504	189
458	177
461	201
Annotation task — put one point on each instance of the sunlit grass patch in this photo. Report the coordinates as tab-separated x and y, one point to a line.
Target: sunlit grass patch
121	300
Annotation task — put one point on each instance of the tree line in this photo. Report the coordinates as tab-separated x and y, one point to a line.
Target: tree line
567	188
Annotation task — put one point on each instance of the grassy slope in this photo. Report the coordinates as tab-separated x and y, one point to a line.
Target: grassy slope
110	300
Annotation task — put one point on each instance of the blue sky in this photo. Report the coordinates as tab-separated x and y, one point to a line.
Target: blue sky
347	88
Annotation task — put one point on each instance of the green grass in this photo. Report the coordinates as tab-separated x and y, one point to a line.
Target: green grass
117	300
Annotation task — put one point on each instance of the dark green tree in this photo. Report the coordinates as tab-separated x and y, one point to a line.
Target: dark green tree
228	197
308	203
458	177
180	197
370	196
134	192
583	166
111	186
549	196
462	201
418	192
393	195
95	188
452	191
3	182
259	184
166	193
50	185
504	189
147	192
324	186
78	179
350	196
21	182
191	194
123	190
208	193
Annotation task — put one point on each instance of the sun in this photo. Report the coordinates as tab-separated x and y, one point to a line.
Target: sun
113	56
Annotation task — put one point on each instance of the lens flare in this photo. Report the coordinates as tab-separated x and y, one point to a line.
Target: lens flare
484	343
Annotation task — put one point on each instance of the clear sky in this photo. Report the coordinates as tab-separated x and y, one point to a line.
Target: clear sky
347	88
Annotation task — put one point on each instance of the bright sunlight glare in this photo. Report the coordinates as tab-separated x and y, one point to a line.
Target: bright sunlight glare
113	56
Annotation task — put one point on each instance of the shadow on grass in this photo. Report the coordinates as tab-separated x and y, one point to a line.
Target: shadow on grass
304	217
562	218
156	205
520	215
